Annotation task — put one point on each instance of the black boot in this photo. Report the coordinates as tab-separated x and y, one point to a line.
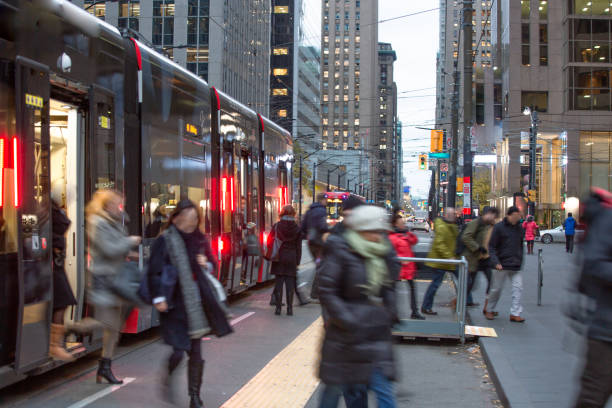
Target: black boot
104	371
168	380
194	380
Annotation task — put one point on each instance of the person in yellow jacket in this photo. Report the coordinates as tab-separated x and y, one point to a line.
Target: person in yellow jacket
443	247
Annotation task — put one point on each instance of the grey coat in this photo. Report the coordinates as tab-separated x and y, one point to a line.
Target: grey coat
109	245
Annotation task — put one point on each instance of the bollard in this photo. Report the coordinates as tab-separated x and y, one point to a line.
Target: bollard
540	276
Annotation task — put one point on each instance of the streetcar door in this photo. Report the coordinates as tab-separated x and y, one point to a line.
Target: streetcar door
30	156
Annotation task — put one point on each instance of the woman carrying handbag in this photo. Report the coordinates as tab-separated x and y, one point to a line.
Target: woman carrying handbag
179	286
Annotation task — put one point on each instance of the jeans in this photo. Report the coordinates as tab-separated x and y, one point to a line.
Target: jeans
435	285
383	388
355	396
289	282
499	278
569	243
596	381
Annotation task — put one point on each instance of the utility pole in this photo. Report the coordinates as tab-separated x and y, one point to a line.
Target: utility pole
451	191
533	137
468	58
300	191
314	181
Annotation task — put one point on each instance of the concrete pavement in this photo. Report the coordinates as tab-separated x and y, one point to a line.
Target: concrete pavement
535	364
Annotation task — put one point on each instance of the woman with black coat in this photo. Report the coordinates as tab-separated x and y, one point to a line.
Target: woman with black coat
183	294
285	263
357	292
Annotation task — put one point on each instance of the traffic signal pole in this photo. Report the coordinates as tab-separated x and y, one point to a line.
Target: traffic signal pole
468	58
451	191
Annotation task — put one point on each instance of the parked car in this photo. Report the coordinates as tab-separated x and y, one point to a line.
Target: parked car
557	235
419	224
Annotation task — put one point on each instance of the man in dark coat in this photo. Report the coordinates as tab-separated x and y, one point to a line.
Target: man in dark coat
358	348
506	252
569	225
596	283
315	229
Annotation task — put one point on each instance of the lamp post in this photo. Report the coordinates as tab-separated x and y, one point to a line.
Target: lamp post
533	134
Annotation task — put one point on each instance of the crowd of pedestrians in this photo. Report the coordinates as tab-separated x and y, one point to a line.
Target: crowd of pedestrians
357	270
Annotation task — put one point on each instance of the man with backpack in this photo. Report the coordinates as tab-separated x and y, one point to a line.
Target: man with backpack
315	229
472	244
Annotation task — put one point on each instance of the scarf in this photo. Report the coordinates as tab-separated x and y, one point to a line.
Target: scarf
377	274
196	319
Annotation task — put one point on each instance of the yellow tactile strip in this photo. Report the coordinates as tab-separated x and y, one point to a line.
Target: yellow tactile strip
289	379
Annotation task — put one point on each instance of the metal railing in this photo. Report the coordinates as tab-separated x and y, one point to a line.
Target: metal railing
440	329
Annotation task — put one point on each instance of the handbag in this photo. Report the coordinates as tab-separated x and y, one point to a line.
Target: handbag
126	283
274	251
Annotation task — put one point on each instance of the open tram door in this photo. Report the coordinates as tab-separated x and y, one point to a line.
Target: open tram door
31	185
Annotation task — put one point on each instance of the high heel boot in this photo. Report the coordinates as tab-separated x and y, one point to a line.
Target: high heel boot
56	344
194	380
105	372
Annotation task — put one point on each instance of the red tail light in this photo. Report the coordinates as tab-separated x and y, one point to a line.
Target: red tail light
220	244
16	170
232	194
2	165
223	193
264	238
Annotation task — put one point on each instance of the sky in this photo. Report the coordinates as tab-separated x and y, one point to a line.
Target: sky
415	41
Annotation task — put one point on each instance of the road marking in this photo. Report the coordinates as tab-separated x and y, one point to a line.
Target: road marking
289	379
241	318
84	402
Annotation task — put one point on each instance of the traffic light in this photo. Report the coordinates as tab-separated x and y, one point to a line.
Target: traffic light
423	162
531	194
437	140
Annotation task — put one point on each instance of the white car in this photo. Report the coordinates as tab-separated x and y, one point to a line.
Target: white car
556	235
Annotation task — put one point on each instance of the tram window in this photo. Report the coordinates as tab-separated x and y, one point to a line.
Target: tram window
164	198
8	212
104	148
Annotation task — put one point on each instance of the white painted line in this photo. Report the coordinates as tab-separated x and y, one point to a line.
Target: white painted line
84	402
241	318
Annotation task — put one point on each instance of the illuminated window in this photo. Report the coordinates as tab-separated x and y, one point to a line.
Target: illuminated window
325	133
281	51
280	92
281	9
325	74
282	113
280	71
325	121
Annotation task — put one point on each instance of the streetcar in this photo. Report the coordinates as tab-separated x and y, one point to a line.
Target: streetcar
334	205
85	107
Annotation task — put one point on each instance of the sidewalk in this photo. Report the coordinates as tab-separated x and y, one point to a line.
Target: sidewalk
535	364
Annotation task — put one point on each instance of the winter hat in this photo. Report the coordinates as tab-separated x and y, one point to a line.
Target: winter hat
351	203
368	218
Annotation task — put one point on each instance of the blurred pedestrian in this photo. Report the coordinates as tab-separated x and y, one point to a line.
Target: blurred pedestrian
531	231
182	292
315	229
443	247
596	283
62	292
474	248
506	251
357	291
403	240
109	246
569	225
285	264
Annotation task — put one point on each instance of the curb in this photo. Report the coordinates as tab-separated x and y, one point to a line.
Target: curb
509	390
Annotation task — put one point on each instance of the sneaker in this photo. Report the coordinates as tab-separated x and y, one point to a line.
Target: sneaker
417	316
428	312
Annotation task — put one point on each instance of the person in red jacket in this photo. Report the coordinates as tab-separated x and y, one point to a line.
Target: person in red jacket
531	229
402	241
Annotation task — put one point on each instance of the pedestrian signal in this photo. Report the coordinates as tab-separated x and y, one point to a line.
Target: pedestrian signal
437	140
423	162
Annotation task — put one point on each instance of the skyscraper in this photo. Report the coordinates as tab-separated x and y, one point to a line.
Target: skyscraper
349	91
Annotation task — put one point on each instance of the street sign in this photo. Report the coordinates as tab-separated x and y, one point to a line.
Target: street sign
467	203
449	142
443	166
439	155
443	176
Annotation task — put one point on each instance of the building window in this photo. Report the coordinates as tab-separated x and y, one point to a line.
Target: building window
280	71
543	44
589	88
129	11
543	9
525	43
281	9
595	161
282	113
97	10
589	7
589	40
280	92
535	99
525	9
280	51
163	22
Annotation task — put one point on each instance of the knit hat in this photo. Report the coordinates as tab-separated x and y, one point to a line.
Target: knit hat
351	203
368	218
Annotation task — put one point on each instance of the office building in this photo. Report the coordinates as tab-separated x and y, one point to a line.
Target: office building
227	43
